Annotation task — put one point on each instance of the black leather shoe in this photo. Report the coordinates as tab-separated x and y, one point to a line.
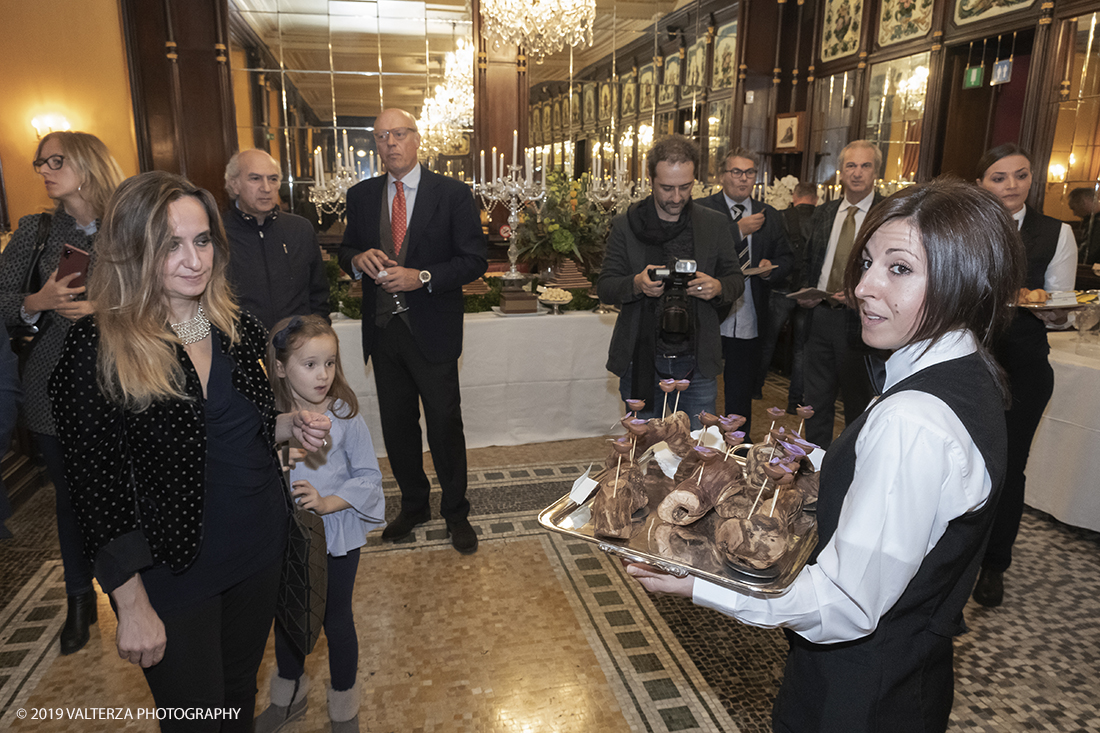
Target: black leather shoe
463	536
990	590
82	613
403	524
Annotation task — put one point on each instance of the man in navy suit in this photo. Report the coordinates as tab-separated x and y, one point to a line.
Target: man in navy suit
835	356
414	237
761	242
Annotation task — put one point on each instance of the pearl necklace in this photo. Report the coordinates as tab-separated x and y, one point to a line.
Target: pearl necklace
194	330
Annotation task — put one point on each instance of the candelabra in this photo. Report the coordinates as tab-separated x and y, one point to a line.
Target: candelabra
616	194
513	192
330	197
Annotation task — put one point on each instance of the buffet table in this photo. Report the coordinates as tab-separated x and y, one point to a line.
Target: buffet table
525	379
1065	456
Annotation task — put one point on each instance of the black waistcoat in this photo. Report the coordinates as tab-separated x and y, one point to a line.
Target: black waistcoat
899	678
1040	236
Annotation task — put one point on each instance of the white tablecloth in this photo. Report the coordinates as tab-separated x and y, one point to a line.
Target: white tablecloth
1064	465
524	379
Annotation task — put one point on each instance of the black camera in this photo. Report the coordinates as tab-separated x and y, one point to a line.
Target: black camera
675	307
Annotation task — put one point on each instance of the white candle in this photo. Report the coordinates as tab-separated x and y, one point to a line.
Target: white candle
515	146
530	166
347	150
319	165
502	175
494	162
483	166
544	167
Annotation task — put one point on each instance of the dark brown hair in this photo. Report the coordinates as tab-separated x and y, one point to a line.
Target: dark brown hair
994	154
289	335
672	149
741	153
974	256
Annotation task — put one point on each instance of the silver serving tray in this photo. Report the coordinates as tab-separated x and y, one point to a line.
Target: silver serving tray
683	551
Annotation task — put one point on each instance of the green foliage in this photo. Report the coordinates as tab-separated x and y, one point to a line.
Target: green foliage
566	225
339	290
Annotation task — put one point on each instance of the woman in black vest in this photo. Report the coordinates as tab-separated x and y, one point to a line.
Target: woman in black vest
907	490
1005	171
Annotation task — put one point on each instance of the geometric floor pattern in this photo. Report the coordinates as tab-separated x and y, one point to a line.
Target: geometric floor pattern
541	632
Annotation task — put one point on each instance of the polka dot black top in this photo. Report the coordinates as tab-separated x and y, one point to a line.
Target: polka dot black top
137	479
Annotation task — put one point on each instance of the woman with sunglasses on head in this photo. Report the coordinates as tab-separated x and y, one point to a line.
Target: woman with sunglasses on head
80	175
908	490
1005	171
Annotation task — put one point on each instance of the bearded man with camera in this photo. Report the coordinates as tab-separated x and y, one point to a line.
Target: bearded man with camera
673	269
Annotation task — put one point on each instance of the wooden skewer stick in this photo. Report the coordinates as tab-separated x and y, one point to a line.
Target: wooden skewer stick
617	466
664	409
775	499
758	495
676	408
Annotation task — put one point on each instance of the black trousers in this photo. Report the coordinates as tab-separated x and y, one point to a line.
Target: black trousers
742	361
213	653
1031	380
405	379
343	643
835	361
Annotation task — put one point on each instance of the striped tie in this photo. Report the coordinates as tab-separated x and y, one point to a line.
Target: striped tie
739	211
397	220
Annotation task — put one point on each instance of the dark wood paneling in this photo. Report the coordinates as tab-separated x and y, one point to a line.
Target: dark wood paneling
179	76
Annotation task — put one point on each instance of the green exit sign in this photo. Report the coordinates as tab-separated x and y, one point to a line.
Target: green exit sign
972	77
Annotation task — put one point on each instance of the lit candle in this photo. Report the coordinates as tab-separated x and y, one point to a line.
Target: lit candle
319	166
502	165
530	166
483	166
515	146
494	162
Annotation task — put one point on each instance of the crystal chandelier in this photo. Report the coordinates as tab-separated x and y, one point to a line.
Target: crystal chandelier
449	112
540	26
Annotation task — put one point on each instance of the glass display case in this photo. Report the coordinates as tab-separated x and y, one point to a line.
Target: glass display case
834	98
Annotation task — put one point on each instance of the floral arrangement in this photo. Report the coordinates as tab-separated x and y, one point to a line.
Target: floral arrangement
566	225
781	191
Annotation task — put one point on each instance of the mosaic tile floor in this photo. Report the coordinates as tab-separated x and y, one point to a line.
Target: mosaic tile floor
537	632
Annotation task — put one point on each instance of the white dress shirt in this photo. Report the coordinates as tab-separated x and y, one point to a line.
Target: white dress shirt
411	182
741	322
862	207
917	468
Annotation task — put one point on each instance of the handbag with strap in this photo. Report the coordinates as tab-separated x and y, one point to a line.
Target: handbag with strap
25	335
303	587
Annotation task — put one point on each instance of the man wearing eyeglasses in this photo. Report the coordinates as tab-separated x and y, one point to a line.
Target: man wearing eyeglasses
765	257
276	267
414	237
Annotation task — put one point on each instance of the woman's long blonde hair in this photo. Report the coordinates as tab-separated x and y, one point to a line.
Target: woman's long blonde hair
99	172
137	362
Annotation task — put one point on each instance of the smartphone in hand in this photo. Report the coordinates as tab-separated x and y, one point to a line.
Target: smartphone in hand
73	259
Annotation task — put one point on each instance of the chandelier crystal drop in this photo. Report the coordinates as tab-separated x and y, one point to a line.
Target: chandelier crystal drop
449	112
540	26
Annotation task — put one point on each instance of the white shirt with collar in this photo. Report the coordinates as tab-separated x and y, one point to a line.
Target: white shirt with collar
410	183
741	322
862	207
917	468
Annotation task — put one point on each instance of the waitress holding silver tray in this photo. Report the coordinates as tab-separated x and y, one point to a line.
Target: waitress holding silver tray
908	489
1051	251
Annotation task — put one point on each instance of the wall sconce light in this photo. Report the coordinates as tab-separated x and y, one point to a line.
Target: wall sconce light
1056	173
45	124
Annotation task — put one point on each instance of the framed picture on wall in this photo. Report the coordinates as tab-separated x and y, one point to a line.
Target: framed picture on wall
670	84
725	55
645	87
789	132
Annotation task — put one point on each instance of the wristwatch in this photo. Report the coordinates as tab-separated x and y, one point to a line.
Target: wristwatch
426	279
